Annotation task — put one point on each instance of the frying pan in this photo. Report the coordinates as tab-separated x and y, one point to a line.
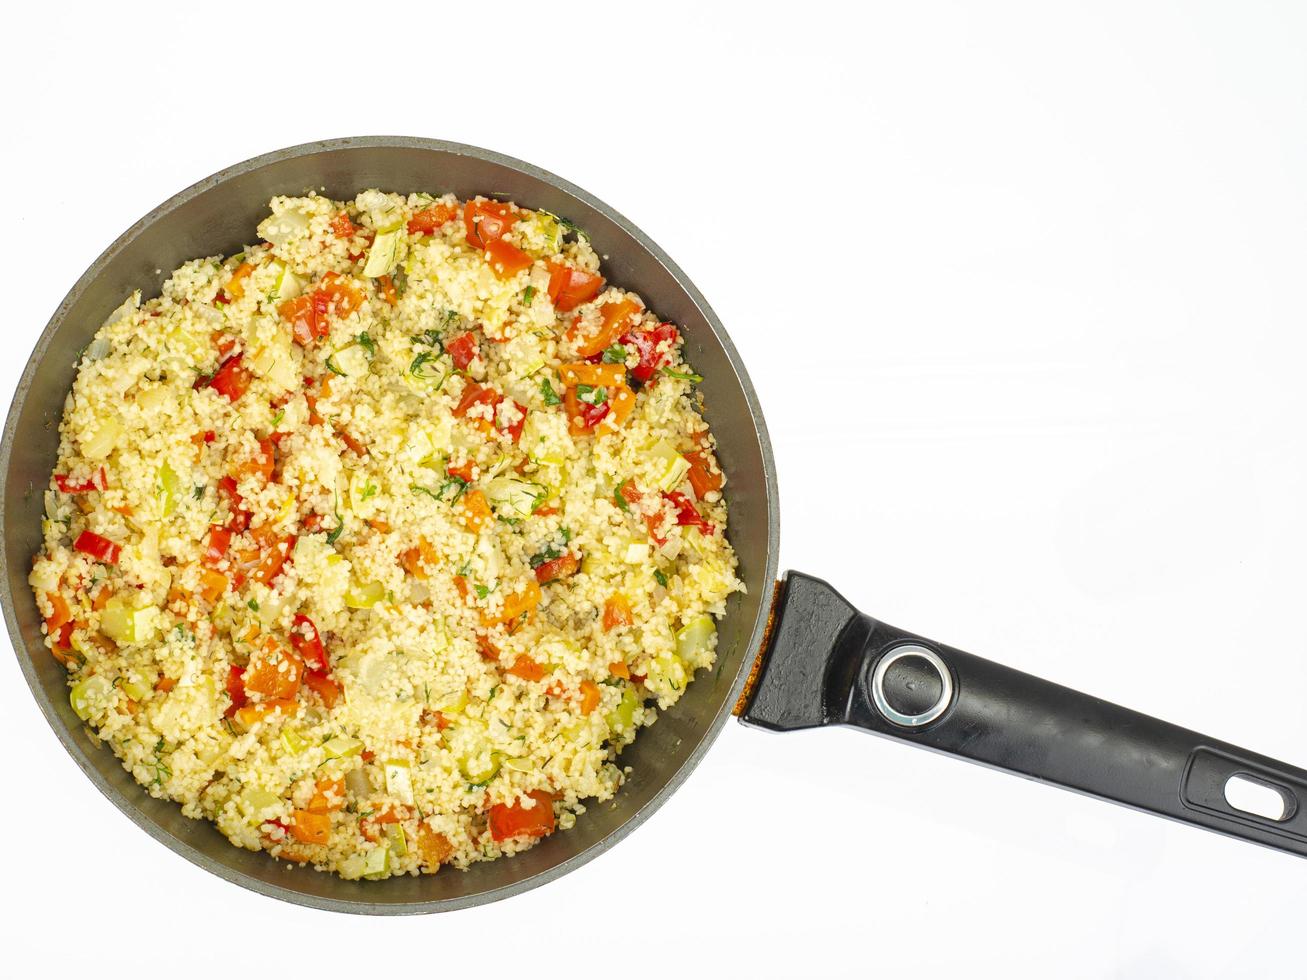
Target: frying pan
792	654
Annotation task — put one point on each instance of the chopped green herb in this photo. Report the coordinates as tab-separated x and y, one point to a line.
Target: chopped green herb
333	367
370	490
276	419
427	490
615	354
549	554
198	492
367	343
528	294
161	771
460	487
427	366
449	318
482	591
660	578
566	224
429	337
340	523
592	394
547	391
621	501
253	604
694	379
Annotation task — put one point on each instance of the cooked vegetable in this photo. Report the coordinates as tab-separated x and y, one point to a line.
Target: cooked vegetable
569	287
308	644
169	488
614	319
694	640
342	747
516	604
674	465
212	585
476	512
293	740
687	515
99	548
430	368
310	828
384	254
66	485
103	440
88	697
622	718
506	260
589	696
704	478
377	864
327	689
617	612
535	819
487	221
564	566
216	542
514	498
431	219
462	349
654	346
365	596
583	373
232	379
399	780
273	672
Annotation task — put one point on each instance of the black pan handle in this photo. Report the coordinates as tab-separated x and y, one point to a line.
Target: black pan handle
828	664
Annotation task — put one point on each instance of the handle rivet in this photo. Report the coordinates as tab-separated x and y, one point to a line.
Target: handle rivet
890	713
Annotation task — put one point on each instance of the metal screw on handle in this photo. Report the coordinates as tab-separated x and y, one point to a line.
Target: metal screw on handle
892	715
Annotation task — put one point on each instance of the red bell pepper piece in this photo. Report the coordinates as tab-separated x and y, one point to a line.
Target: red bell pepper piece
235	690
232	379
99	548
308	644
518	821
326	688
431	219
687	515
506	260
240	517
215	545
462	349
569	287
647	343
97	482
561	567
487	221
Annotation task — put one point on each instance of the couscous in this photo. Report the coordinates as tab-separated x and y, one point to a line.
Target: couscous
377	542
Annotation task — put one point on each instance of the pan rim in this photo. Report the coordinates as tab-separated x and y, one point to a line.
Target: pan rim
79	750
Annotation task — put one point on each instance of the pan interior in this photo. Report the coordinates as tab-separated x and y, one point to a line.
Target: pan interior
218	216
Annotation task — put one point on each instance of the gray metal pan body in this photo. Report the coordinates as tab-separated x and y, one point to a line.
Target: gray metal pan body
218	216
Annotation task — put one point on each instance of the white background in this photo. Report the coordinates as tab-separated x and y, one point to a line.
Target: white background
1021	290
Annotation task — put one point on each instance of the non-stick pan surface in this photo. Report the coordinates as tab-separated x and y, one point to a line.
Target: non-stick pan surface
218	216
